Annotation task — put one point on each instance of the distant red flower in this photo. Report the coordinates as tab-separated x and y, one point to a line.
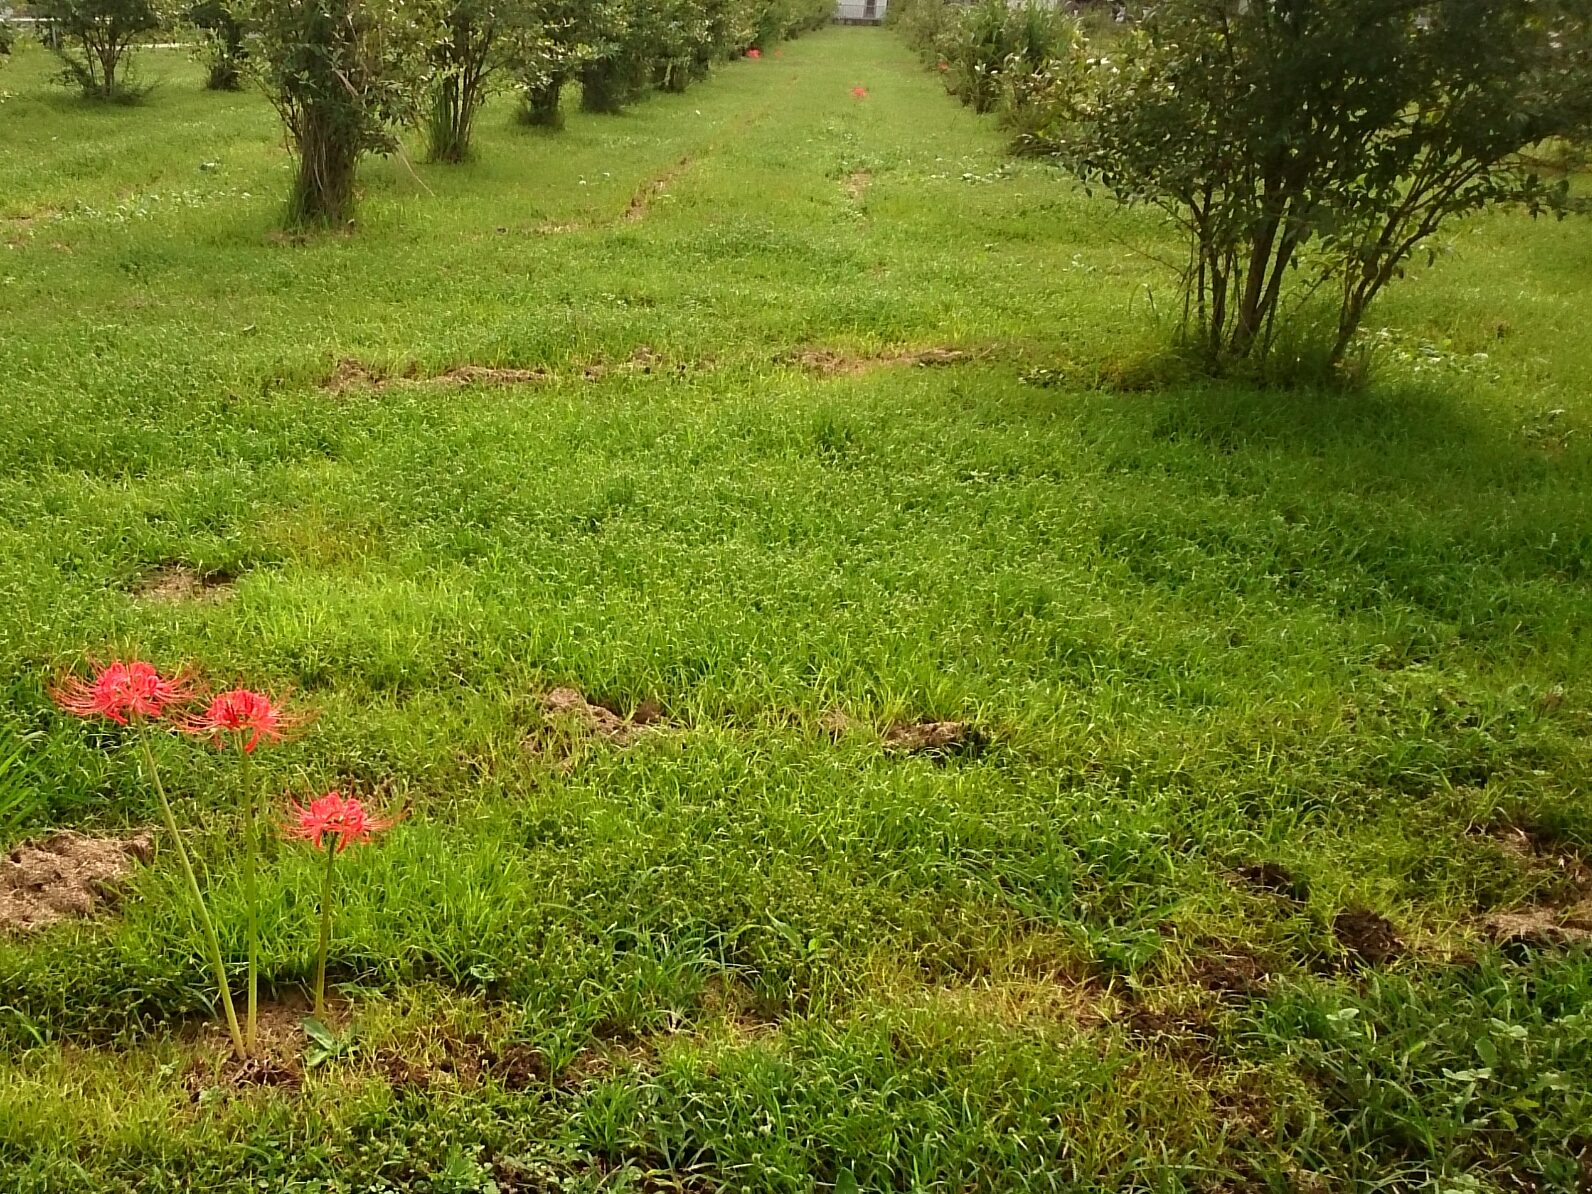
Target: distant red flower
754	53
779	53
122	689
945	66
860	92
335	815
242	711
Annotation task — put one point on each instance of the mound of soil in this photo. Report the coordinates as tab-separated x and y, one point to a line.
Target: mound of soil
352	374
1368	938
66	875
1541	926
173	584
935	737
832	363
1274	879
1232	976
569	706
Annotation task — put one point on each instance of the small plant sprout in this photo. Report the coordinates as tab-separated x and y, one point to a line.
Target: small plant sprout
132	693
243	719
332	822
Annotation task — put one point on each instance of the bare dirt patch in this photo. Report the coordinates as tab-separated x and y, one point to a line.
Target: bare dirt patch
519	1067
66	875
830	362
1272	878
1191	1038
18	230
837	723
264	1071
1232	976
857	184
1368	938
606	1058
935	738
351	374
938	739
1562	915
1059	999
174	584
464	1061
736	1004
567	707
1541	926
489	375
642	199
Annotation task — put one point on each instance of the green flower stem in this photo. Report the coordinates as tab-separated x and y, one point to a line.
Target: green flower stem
252	894
326	927
198	897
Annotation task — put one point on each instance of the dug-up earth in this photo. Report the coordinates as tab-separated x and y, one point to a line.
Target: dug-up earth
568	706
65	875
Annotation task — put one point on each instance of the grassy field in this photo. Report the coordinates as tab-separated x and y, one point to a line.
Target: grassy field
837	409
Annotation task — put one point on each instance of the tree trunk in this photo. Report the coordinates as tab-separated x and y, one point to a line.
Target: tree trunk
1250	316
541	105
323	192
450	121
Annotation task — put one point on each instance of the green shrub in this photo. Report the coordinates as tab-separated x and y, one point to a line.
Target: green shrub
548	54
627	46
95	40
222	48
1319	144
344	75
977	48
473	43
680	34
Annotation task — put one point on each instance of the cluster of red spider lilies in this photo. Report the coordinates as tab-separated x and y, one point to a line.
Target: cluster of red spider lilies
133	693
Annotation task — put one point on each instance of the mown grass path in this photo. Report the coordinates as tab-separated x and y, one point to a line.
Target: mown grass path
824	405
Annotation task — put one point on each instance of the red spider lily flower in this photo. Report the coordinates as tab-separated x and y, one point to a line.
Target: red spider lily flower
860	92
754	53
945	66
121	690
336	815
242	711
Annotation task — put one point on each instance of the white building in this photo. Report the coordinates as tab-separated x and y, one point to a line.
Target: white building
860	12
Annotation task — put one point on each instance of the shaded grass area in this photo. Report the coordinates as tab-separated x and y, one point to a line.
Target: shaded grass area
1333	639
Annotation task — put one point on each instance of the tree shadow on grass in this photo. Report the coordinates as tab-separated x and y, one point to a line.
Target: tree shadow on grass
1395	495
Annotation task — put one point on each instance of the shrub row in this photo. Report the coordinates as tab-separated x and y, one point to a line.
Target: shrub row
988	53
348	75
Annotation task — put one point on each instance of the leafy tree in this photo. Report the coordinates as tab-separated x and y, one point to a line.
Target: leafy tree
679	33
344	75
1316	145
620	48
222	49
95	40
617	69
476	42
549	54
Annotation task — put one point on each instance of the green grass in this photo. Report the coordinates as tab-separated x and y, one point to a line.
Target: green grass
1203	625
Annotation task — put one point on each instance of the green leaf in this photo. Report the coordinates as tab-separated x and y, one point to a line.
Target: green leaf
845	1182
1487	1051
320	1034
